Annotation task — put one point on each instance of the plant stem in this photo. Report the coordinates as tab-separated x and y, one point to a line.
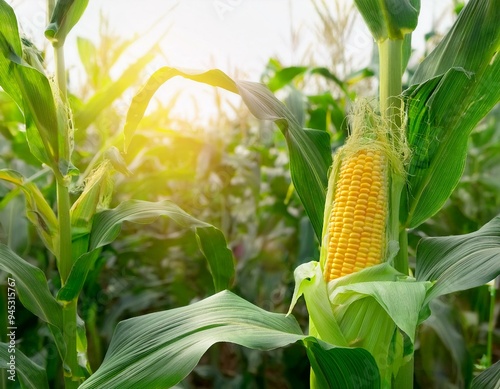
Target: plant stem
60	71
390	87
391	107
65	258
63	212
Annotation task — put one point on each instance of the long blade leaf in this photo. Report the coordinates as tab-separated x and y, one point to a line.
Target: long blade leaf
162	348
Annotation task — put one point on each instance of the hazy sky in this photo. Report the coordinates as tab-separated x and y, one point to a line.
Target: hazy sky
201	34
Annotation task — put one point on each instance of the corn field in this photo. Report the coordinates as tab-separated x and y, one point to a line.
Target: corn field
336	227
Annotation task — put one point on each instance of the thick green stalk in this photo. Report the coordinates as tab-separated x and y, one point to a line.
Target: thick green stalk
391	73
65	258
391	107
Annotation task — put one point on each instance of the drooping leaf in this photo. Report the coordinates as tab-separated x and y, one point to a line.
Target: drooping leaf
162	348
310	152
28	373
388	19
488	379
65	15
452	90
459	262
38	211
106	227
31	287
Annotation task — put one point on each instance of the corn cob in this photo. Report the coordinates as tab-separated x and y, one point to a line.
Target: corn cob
356	227
365	184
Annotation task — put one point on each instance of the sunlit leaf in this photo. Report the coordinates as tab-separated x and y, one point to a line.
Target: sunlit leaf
162	348
29	374
452	90
31	287
459	262
106	228
310	152
65	15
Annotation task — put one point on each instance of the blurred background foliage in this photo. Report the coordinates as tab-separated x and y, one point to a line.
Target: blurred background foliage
233	172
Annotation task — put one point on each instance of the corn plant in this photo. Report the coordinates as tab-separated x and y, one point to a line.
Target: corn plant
402	161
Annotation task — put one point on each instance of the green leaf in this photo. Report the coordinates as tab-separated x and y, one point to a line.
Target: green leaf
325	361
31	287
488	379
310	152
443	323
30	89
104	98
65	15
9	42
162	348
38	211
106	227
459	262
388	18
29	374
285	76
452	90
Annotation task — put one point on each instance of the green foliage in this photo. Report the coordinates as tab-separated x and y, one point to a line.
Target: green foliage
65	15
451	91
31	375
164	347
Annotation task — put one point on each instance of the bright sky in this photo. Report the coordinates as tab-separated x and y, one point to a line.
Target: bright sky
201	34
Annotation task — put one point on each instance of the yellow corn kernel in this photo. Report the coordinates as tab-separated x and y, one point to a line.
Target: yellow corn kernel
356	227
